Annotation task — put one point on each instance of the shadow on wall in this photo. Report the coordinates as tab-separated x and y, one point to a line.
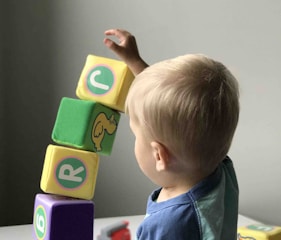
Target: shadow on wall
26	114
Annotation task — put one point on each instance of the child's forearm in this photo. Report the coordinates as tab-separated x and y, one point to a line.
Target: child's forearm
137	66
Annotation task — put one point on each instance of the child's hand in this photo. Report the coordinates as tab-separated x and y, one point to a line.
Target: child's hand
127	49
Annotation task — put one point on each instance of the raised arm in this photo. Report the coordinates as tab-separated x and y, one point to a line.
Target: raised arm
126	49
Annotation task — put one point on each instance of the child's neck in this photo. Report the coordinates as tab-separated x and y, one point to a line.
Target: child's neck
169	193
180	186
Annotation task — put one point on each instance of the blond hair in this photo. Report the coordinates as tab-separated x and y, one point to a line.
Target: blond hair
190	105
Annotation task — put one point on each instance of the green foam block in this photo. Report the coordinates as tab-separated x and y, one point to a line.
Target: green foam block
86	125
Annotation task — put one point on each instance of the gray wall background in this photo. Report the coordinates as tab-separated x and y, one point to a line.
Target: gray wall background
44	45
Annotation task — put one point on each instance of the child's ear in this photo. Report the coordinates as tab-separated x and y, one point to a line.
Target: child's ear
161	156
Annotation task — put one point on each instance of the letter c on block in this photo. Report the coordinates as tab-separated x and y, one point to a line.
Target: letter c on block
97	84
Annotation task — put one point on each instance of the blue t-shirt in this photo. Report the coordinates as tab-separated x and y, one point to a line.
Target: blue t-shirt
208	211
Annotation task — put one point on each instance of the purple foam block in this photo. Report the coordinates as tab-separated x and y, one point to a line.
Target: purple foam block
62	218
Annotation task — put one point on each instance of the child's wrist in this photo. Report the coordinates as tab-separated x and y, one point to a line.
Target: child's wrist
137	66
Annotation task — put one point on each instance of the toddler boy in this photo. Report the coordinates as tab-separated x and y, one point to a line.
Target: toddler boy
183	113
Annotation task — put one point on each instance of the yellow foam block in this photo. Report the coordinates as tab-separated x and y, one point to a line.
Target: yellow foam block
69	172
259	232
106	81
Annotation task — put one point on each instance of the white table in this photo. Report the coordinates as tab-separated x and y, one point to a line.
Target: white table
24	232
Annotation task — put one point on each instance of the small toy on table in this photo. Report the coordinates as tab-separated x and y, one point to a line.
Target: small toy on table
259	232
116	231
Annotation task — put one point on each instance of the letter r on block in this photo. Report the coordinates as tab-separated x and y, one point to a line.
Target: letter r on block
67	172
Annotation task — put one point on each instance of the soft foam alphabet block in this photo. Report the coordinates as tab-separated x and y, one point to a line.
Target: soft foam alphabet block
86	125
62	218
69	172
259	232
106	81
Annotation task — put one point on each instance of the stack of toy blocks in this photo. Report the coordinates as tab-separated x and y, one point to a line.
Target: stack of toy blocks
84	128
259	232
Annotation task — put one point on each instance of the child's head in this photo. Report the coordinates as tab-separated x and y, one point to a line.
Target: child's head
190	105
